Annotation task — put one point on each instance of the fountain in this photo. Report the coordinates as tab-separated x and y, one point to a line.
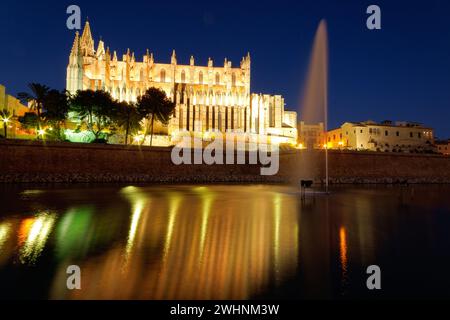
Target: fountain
314	105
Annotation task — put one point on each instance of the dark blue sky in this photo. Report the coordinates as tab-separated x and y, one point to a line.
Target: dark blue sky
401	72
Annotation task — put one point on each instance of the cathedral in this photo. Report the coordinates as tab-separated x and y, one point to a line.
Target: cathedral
209	98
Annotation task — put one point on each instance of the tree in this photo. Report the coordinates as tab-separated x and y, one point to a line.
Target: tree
30	121
154	104
36	98
56	108
95	108
6	116
128	118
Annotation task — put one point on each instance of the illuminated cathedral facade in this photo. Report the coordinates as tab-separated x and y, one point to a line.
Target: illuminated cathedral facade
208	98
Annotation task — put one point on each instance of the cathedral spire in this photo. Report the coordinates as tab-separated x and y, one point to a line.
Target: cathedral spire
173	59
76	45
100	49
87	42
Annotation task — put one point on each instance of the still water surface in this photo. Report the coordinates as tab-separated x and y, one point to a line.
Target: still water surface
223	242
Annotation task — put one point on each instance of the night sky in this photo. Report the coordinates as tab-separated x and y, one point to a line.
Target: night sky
401	72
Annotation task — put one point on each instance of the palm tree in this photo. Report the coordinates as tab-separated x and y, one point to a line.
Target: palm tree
95	108
155	104
37	98
6	115
127	117
56	107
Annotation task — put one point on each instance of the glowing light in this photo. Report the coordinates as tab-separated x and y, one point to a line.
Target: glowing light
4	231
341	143
139	202
73	234
137	211
343	250
174	204
300	146
24	229
41	132
207	199
138	138
5	120
276	243
37	236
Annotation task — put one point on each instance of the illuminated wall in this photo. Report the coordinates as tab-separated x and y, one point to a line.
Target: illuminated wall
16	108
380	137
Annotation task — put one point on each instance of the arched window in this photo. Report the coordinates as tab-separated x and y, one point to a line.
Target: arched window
117	93
233	79
183	76
162	75
217	78
138	93
200	77
124	94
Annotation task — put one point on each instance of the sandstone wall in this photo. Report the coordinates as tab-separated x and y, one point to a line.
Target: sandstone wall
33	161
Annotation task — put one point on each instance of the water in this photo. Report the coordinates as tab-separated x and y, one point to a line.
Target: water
223	241
314	104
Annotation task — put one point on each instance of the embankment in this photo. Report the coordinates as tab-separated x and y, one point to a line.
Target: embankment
35	161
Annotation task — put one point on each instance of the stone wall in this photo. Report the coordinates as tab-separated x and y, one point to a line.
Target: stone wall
367	167
34	161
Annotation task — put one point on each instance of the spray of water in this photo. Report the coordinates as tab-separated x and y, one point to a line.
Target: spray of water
314	105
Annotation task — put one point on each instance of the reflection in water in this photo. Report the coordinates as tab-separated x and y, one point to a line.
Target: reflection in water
137	211
174	203
343	253
73	226
5	228
276	247
203	250
219	242
33	235
207	198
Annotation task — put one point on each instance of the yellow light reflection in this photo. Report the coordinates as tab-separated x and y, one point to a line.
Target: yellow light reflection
207	198
5	228
174	204
137	212
24	229
343	250
139	201
276	244
37	231
239	237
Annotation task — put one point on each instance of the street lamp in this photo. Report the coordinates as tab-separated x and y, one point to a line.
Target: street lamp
5	127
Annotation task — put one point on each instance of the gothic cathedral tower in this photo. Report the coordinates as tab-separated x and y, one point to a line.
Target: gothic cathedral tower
74	78
82	53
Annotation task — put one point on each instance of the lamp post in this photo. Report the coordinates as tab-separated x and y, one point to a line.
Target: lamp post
5	126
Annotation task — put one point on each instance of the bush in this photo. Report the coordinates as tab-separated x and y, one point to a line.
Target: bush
100	140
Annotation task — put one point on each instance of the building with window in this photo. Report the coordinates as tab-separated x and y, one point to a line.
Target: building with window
13	110
384	136
208	98
311	136
443	147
